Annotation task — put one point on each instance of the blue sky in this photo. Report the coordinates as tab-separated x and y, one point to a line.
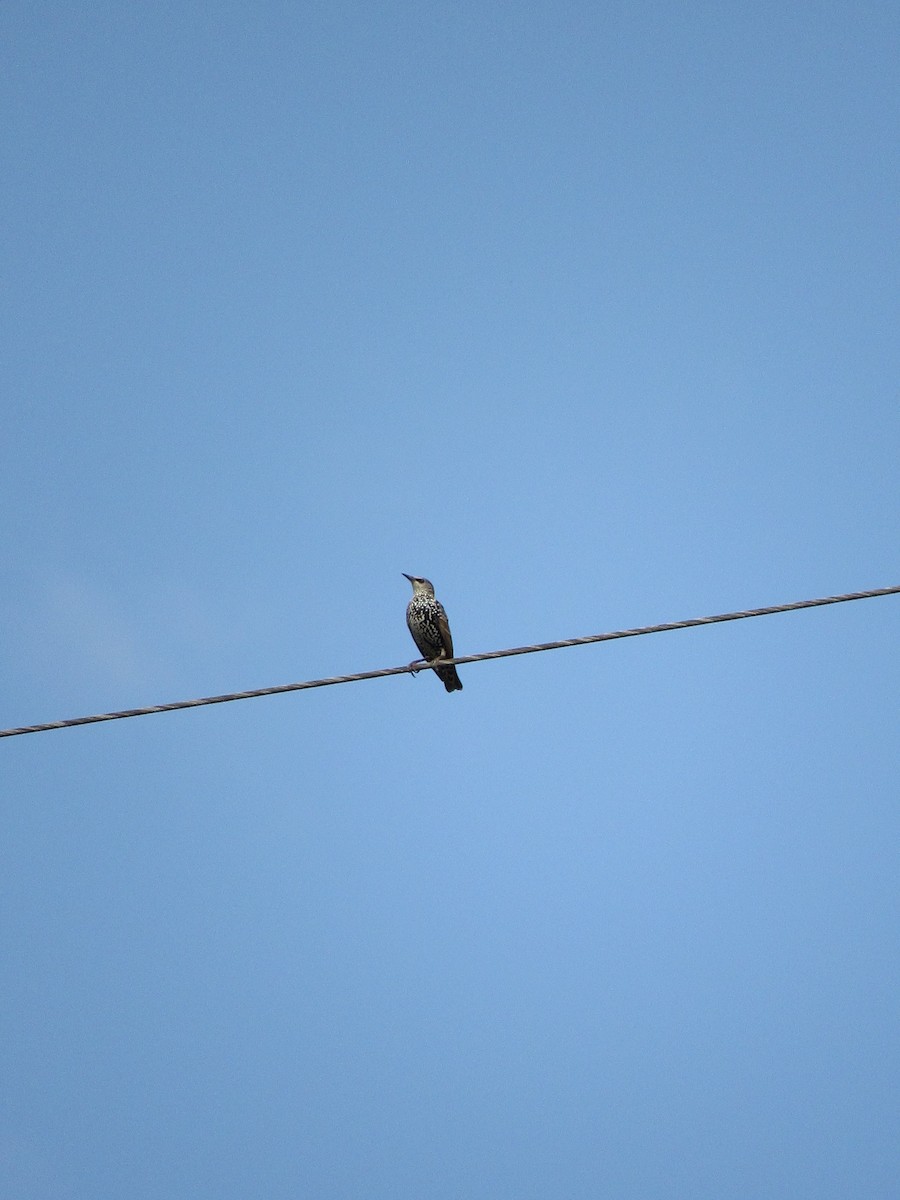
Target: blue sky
588	313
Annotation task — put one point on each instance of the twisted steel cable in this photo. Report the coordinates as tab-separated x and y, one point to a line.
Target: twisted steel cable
412	668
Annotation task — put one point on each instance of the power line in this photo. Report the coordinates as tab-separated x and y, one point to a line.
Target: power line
413	668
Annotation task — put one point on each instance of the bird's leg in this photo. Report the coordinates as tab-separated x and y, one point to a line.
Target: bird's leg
423	664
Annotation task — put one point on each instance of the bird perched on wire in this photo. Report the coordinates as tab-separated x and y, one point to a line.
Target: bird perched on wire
430	629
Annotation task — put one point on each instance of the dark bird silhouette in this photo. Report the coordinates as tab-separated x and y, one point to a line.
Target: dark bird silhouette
430	630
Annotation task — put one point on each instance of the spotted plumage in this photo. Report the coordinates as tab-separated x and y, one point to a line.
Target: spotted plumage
430	629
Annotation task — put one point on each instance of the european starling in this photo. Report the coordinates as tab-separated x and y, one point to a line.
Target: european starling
430	629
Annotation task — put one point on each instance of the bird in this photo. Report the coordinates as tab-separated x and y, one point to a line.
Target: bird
430	630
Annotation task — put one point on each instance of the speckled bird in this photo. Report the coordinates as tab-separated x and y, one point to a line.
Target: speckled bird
430	629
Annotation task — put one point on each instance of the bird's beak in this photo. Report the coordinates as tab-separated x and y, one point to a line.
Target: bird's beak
405	576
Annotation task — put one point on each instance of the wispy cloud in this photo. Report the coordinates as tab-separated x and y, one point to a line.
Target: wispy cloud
77	629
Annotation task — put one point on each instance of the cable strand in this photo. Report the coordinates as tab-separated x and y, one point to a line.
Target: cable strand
414	668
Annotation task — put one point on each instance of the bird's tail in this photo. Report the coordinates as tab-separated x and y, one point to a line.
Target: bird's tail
449	678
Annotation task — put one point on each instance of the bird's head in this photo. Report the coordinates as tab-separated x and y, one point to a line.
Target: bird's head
420	587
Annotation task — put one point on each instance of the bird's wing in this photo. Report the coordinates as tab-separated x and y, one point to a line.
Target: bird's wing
444	627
